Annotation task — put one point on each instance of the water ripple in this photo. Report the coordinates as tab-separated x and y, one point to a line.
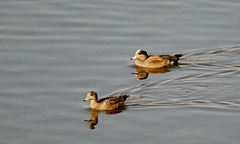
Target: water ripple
212	78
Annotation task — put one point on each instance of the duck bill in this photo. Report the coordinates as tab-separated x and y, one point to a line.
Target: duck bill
133	58
86	99
135	74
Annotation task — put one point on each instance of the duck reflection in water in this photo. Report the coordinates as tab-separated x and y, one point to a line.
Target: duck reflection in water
94	116
94	119
142	73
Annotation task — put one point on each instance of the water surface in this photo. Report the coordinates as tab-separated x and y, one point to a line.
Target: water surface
53	52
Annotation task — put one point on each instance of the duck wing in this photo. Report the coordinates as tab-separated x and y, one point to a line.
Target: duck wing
114	100
103	99
118	99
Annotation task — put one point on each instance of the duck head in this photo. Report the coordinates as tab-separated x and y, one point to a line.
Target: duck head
140	55
91	96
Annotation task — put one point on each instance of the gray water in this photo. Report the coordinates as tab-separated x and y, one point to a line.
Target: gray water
52	53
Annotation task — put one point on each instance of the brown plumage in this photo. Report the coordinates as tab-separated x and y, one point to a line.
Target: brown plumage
155	61
108	103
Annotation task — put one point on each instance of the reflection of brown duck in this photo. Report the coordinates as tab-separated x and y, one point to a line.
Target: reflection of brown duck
155	61
108	103
142	73
94	117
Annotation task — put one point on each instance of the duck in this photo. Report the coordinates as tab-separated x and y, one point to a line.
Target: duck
142	59
107	103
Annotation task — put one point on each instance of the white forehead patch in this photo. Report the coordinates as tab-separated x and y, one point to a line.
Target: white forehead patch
138	51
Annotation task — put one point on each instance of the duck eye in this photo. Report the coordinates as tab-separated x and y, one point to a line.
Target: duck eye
91	94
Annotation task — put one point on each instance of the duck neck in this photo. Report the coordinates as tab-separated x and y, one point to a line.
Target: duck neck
94	103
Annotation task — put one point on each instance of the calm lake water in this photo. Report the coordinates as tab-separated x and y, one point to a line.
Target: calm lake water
52	53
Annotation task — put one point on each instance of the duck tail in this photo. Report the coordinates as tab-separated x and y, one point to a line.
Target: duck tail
175	57
178	56
124	97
